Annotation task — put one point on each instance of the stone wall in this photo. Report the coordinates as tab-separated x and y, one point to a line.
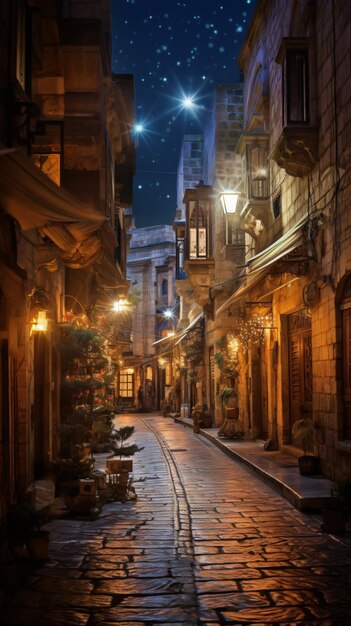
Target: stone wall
325	192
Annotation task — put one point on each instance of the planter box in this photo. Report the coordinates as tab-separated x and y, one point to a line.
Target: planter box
116	465
87	486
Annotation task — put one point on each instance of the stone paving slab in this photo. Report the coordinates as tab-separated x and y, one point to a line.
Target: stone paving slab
208	543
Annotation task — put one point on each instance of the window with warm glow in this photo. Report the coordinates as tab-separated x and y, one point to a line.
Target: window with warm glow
126	383
198	229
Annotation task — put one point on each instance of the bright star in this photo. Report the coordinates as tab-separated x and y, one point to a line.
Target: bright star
188	102
138	128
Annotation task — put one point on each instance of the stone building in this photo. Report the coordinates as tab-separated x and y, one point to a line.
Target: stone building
273	275
210	247
291	310
66	168
151	273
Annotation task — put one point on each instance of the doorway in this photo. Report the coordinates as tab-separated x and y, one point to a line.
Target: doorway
300	365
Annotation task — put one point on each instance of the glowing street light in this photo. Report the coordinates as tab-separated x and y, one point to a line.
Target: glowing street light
120	305
168	314
229	200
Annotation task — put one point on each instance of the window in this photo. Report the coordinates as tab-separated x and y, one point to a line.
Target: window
180	274
198	228
234	236
126	383
164	287
296	86
21	44
293	56
258	171
47	150
277	206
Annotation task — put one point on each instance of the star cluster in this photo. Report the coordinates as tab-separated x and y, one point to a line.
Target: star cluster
177	52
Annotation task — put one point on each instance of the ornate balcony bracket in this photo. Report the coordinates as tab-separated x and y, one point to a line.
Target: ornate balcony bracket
296	150
256	218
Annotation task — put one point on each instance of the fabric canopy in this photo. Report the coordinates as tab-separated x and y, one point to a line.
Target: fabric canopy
37	203
280	248
190	327
258	264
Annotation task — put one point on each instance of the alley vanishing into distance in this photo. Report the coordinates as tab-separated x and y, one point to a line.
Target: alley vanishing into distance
206	542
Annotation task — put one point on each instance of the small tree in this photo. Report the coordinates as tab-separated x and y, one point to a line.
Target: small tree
86	376
118	443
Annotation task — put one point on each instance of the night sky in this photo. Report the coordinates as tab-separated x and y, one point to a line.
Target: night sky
175	50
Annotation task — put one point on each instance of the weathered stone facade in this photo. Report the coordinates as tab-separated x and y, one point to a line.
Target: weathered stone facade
151	272
66	166
302	364
286	150
208	277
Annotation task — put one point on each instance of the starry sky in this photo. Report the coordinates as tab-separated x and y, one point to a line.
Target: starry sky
176	50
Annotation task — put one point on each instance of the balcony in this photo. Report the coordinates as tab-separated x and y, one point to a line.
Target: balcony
198	261
296	150
253	147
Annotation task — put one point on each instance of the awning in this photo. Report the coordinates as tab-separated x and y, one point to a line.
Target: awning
280	248
37	203
259	263
190	327
251	281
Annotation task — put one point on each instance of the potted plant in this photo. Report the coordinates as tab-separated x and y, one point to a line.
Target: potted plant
201	417
227	394
336	512
303	435
196	415
122	450
25	527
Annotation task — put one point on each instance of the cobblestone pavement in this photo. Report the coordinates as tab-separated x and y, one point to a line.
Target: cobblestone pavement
207	542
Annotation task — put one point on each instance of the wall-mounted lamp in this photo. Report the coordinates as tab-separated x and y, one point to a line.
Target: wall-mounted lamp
229	200
120	305
40	324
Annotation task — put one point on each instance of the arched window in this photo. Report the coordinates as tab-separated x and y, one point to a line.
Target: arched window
164	287
345	307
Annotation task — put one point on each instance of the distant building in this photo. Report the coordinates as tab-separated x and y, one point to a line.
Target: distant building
151	272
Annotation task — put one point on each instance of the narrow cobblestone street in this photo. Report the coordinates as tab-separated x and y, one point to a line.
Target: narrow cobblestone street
206	542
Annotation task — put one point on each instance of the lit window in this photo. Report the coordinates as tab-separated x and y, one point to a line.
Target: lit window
198	224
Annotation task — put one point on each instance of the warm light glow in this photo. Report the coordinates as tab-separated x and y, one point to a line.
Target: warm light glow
40	325
120	305
229	200
170	333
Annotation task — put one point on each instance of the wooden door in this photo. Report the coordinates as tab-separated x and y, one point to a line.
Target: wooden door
346	314
300	365
41	404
